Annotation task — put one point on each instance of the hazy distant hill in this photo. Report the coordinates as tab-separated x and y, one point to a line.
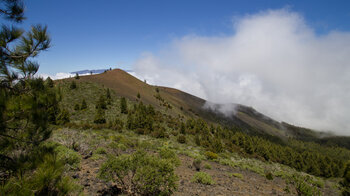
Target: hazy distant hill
86	71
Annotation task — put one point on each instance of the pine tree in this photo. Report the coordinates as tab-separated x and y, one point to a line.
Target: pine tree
100	116
77	76
76	107
49	82
109	97
138	95
83	105
73	85
23	98
123	106
101	103
63	117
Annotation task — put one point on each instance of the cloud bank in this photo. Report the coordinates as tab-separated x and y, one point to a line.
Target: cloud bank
56	76
272	61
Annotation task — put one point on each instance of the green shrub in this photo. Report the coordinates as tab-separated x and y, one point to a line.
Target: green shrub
197	164
118	124
210	155
159	133
73	85
101	150
123	106
140	174
68	156
63	117
269	176
202	178
100	116
48	179
166	153
181	139
207	166
76	107
237	175
83	105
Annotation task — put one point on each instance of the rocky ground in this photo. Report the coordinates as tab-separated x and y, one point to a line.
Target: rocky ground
225	184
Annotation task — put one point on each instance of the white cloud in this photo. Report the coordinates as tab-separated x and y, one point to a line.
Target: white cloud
57	76
273	62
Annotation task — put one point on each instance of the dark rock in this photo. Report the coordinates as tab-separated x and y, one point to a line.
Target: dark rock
75	176
110	190
88	155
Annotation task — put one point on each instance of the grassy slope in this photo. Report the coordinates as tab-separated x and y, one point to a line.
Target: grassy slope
188	105
127	141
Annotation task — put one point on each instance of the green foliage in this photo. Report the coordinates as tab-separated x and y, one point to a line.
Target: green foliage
167	153
123	106
210	155
346	181
269	176
181	139
76	107
237	175
203	178
182	128
140	173
138	95
63	117
108	96
101	150
73	85
197	164
141	117
118	124
83	105
101	103
67	156
207	166
77	76
48	179
100	116
49	82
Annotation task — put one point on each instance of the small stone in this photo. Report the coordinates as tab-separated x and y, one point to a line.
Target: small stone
75	176
88	155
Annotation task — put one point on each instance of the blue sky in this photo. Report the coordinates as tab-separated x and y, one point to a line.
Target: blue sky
89	34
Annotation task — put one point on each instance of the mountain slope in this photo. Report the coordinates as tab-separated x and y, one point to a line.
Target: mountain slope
182	103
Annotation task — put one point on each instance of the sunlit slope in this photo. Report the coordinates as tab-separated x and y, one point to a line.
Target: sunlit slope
177	102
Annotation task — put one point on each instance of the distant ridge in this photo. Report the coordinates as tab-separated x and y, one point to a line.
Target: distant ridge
93	71
87	71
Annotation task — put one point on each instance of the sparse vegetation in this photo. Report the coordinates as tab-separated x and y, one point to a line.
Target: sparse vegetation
197	164
181	139
150	175
237	175
203	178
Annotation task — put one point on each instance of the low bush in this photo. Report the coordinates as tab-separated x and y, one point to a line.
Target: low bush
181	139
202	178
101	150
210	155
207	166
48	179
197	164
237	175
166	153
68	156
140	174
269	176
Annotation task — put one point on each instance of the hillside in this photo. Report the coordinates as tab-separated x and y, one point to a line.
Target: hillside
182	103
228	162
